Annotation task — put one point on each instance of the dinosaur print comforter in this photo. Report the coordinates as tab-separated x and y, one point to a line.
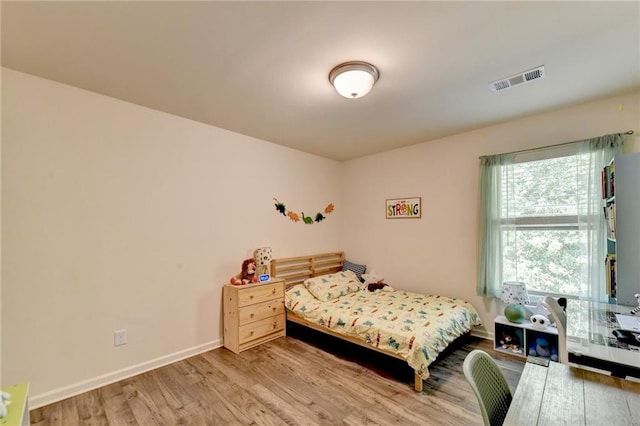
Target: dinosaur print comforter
416	327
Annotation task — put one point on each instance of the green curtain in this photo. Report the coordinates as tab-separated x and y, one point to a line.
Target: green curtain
495	211
595	154
490	242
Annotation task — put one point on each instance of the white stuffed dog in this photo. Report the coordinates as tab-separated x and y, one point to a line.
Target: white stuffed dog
539	321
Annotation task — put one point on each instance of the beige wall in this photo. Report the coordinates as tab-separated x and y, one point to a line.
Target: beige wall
117	216
437	253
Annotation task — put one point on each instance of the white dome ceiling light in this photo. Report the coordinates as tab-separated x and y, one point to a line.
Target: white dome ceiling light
354	79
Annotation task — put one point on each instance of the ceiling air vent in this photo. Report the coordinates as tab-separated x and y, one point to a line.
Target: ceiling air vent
515	80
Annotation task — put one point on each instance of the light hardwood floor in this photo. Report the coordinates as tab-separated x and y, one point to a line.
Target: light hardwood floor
303	379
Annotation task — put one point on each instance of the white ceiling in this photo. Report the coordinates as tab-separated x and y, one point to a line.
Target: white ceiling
261	68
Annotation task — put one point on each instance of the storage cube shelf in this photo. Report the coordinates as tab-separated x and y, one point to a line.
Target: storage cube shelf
525	334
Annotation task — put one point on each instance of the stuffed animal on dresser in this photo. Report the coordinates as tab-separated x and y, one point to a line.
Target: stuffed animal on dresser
247	274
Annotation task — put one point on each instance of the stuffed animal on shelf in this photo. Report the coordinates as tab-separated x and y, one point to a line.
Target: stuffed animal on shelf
539	321
542	348
247	274
511	342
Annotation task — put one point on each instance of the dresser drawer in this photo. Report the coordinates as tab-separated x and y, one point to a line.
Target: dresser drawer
253	314
257	329
261	311
250	295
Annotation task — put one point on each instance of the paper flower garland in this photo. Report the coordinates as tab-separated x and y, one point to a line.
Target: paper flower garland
295	217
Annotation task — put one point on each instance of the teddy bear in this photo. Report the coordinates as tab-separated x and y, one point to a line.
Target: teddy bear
542	348
511	342
248	273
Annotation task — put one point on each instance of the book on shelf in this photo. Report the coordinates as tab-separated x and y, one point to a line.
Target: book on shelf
607	176
613	221
611	271
610	220
612	180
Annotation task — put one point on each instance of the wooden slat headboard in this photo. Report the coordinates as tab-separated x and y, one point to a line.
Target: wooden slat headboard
295	270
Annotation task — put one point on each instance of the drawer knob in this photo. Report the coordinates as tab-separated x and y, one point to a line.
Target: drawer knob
274	291
251	333
252	315
251	297
274	309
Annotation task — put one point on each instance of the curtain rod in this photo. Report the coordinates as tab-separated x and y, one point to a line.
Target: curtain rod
628	132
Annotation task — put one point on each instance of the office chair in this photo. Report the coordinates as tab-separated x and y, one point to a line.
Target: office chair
489	385
560	318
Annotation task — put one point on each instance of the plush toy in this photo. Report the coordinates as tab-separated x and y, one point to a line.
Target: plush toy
371	277
376	286
247	275
508	341
542	348
539	321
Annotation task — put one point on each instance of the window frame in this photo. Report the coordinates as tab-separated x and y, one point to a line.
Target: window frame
561	222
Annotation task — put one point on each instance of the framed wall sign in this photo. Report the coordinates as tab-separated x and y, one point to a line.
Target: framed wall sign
404	208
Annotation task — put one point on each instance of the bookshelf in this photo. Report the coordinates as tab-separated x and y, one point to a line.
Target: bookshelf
621	203
608	177
627	227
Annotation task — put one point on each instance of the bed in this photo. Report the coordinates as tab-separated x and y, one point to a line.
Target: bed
409	326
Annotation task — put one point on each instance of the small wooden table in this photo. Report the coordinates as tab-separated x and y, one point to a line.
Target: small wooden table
565	395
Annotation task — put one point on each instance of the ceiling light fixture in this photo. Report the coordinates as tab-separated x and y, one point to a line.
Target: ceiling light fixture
354	79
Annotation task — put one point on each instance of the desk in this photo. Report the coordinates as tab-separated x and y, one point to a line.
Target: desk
590	340
564	395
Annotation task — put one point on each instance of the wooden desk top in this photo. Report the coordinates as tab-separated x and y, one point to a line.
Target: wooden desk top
564	395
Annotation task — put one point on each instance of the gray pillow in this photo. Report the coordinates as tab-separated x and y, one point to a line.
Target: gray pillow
356	268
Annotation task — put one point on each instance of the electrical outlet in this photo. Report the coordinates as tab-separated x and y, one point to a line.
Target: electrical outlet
120	337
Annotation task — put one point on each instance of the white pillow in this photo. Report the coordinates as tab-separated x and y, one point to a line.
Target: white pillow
372	277
331	286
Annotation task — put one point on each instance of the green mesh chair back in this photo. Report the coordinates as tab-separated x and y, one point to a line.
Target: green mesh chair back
489	385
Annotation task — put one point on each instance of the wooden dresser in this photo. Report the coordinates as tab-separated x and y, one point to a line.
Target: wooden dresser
253	314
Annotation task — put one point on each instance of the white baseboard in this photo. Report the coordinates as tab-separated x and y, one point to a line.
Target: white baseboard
59	394
36	401
483	334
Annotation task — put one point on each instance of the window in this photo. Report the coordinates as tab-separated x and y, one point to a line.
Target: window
545	245
541	219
